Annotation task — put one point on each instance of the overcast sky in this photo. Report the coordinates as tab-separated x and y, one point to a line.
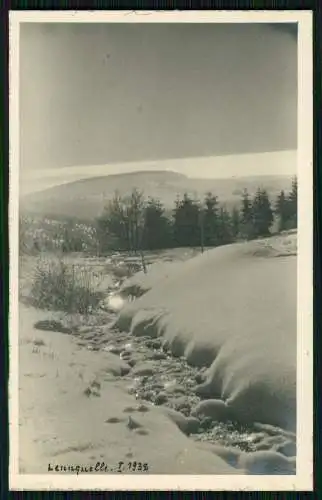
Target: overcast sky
93	94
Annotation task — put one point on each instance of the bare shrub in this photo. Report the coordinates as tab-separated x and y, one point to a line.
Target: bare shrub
57	286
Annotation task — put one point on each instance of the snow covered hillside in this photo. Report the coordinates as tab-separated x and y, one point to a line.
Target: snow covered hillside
232	308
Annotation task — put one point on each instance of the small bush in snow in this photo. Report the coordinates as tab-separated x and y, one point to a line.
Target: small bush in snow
59	287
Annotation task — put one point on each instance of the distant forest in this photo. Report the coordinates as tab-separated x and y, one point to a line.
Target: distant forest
133	223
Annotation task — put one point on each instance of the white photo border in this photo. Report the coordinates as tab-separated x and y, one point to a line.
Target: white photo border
303	480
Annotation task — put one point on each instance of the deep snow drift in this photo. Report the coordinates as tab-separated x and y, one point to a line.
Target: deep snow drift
232	308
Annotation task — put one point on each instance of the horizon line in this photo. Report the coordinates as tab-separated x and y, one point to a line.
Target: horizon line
261	164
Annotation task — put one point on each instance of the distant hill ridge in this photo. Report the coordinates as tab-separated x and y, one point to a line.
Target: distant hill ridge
86	197
137	174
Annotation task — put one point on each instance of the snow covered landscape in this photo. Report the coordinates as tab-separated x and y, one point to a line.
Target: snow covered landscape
193	352
157	252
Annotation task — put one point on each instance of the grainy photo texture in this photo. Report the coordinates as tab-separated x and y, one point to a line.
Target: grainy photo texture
157	250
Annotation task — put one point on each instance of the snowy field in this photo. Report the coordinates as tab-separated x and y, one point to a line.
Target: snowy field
190	368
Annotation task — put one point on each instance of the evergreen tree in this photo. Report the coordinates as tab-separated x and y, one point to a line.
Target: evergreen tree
224	231
110	226
186	226
246	216
262	213
292	199
282	211
202	227
210	219
157	229
235	222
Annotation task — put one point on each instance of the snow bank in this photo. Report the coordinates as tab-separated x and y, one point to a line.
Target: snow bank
232	308
141	283
73	410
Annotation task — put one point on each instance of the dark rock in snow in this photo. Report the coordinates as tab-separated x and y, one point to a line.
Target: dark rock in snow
157	355
188	425
161	398
52	326
216	409
143	369
133	424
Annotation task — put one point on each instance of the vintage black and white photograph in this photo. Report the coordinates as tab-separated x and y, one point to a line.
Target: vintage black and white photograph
155	212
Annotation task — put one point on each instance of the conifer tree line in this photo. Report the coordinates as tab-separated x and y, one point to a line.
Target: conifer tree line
133	223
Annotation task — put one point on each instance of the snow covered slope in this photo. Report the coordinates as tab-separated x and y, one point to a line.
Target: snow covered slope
232	308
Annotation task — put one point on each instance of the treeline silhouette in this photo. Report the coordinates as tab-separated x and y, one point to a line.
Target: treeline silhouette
133	223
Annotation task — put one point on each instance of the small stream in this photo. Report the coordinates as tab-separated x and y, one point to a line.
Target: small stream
163	380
